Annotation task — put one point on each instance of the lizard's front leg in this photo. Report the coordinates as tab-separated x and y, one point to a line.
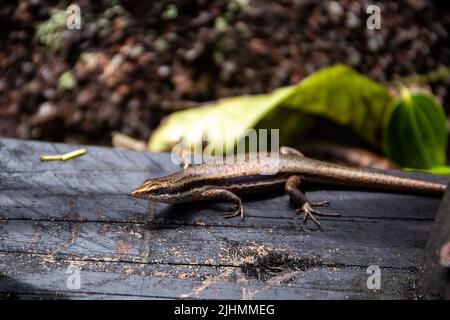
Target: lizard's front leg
183	157
222	194
299	199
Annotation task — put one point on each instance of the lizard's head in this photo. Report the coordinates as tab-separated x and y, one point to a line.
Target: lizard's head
158	189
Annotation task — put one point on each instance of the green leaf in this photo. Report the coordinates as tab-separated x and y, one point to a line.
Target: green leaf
66	81
222	122
338	93
294	124
50	31
435	169
415	131
341	94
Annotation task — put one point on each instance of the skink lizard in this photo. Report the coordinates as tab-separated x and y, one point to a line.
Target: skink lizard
208	181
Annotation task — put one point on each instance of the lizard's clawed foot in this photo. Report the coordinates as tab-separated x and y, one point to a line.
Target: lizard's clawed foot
309	212
320	203
238	212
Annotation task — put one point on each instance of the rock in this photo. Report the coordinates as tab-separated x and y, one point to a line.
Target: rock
335	11
46	112
164	71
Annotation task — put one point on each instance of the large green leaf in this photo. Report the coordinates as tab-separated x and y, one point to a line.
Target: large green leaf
222	123
343	95
415	132
338	93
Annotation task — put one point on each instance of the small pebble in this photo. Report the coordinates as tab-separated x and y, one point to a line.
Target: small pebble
164	71
335	11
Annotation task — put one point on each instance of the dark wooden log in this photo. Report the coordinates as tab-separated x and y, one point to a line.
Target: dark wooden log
435	281
79	212
43	275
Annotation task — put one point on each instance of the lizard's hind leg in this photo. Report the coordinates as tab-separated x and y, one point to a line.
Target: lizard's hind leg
299	199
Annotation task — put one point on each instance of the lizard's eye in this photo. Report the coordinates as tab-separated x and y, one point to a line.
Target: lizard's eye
156	191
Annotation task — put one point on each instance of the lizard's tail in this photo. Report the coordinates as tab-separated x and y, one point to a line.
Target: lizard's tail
343	175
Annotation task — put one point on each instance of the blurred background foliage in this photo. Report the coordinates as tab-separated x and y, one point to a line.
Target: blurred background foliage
413	125
312	67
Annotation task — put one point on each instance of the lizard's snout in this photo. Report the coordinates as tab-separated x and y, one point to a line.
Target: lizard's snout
137	192
146	190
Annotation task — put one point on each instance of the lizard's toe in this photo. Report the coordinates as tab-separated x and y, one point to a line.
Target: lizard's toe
309	212
237	212
320	203
230	214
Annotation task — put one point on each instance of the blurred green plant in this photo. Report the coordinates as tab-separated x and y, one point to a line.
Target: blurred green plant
66	81
222	122
220	24
49	32
338	93
415	132
170	13
412	128
342	95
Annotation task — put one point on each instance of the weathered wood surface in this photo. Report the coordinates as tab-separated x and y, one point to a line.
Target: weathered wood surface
79	212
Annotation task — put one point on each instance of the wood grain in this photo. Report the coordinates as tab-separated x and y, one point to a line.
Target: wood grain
79	212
